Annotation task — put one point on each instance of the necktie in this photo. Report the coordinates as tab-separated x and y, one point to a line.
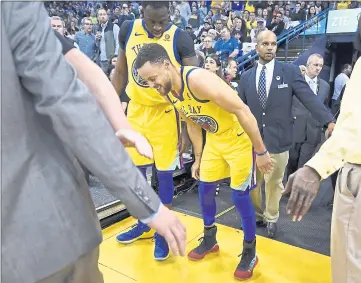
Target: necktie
262	92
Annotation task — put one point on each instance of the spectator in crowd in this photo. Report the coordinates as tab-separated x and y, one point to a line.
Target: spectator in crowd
178	19
311	12
230	73
285	18
227	46
58	25
239	25
86	39
212	34
199	40
298	14
251	23
213	64
217	14
218	27
123	15
185	10
246	16
194	19
340	82
207	47
206	27
255	31
209	17
277	25
189	29
107	39
202	12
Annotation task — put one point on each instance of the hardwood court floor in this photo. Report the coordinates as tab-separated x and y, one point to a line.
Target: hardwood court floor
278	262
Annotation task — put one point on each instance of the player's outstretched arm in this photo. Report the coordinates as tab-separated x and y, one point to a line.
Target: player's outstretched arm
208	86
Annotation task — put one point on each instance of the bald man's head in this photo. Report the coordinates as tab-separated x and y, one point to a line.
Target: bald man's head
266	33
266	46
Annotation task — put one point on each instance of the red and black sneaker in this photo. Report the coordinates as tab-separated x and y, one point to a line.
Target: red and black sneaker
208	244
248	261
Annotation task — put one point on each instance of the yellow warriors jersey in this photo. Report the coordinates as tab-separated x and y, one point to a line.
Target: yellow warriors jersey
138	35
205	113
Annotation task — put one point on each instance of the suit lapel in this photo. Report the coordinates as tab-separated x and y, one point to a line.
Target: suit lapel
276	81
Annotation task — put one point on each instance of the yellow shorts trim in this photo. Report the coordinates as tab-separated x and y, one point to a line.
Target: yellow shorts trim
229	155
160	124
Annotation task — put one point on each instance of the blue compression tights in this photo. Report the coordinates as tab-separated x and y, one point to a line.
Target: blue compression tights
166	185
242	201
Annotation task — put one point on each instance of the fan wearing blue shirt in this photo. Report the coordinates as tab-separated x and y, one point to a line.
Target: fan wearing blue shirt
226	46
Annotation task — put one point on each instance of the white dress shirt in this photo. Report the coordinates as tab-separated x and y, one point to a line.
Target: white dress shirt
312	83
270	66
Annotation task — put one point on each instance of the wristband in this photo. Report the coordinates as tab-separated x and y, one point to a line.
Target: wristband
261	154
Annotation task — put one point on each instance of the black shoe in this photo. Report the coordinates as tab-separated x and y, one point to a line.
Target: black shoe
208	244
271	229
248	261
261	223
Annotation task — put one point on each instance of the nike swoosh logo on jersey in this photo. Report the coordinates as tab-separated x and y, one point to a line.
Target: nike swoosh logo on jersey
174	101
138	34
167	111
240	134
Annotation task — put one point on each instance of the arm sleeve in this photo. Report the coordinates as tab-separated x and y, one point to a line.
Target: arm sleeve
304	93
185	45
122	35
344	144
76	117
66	44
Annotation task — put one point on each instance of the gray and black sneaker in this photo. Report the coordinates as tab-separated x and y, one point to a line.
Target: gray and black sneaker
208	244
248	261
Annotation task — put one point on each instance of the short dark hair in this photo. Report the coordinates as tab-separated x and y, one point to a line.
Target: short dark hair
155	4
153	53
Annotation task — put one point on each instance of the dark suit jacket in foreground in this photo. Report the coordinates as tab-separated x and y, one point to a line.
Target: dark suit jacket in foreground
50	123
305	126
276	121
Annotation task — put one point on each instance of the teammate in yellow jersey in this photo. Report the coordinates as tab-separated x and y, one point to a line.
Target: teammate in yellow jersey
207	102
148	113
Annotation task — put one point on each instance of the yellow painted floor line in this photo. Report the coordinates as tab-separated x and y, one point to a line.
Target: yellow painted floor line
225	211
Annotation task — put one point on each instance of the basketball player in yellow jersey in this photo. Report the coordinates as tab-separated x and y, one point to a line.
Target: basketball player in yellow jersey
207	102
148	113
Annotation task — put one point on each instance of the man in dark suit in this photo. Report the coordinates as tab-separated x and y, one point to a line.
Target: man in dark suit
307	131
268	89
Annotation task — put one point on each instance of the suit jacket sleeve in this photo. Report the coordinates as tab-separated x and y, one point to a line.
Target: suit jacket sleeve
304	93
76	117
242	89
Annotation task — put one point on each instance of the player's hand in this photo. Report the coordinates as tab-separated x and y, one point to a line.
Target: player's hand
264	163
167	224
195	170
303	186
131	138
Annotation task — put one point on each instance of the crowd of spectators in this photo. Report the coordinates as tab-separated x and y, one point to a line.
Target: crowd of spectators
225	28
